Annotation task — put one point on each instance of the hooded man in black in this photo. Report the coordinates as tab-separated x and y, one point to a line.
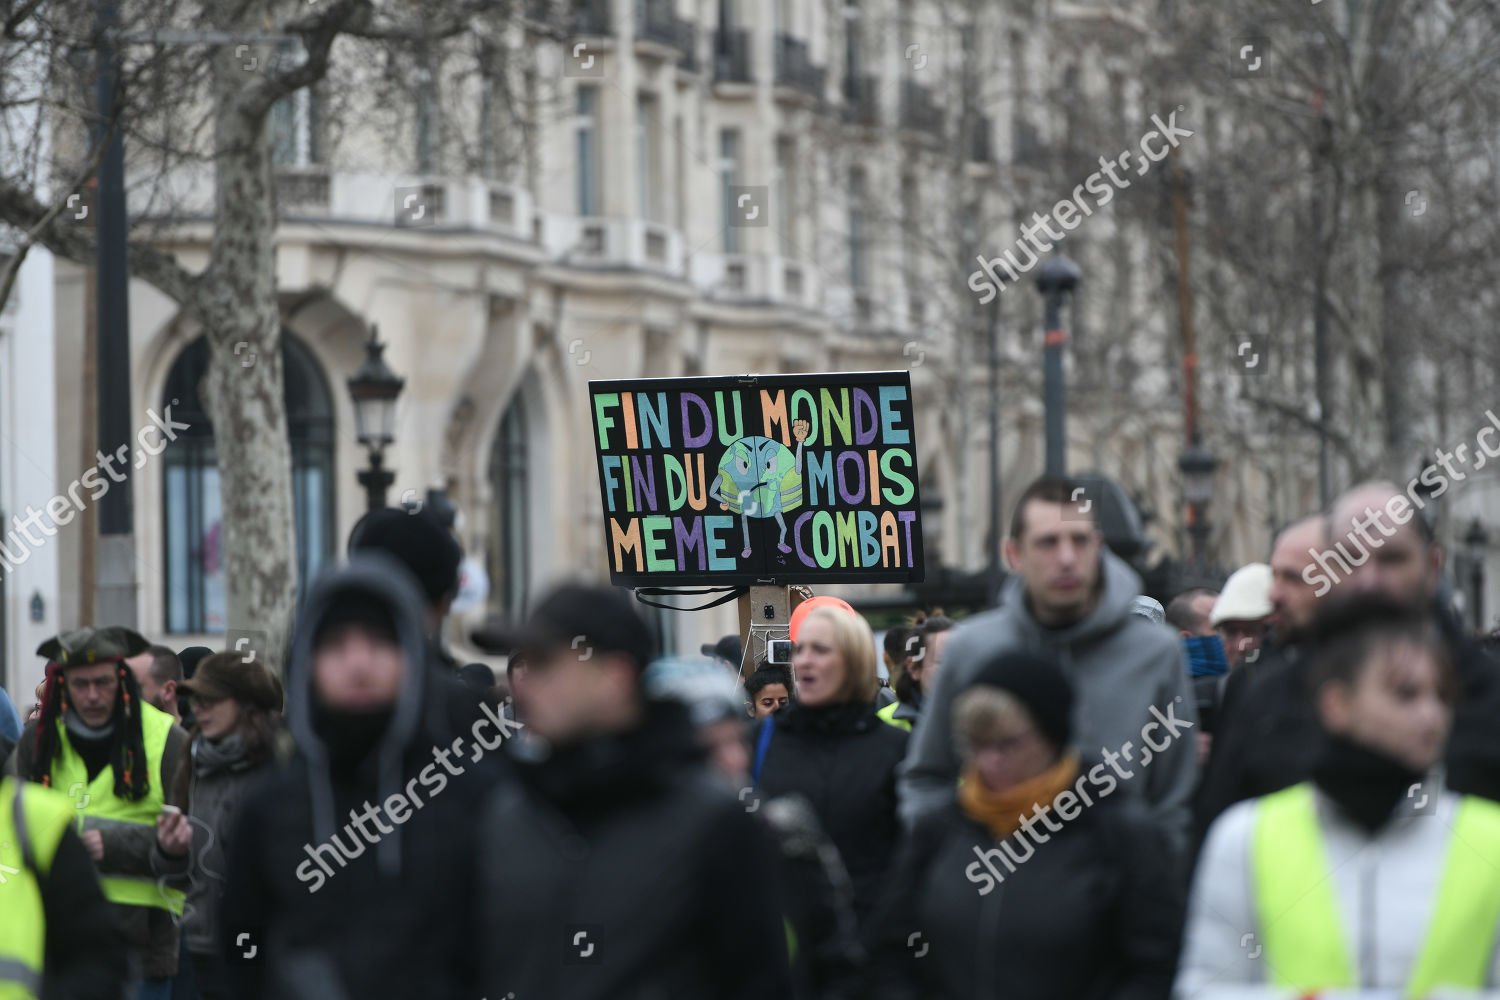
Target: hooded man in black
351	868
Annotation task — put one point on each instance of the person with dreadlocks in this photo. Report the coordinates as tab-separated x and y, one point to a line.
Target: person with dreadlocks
97	741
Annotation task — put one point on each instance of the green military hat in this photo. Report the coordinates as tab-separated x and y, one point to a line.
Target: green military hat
82	646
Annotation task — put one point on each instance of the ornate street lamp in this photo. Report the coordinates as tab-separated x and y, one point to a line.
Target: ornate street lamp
374	389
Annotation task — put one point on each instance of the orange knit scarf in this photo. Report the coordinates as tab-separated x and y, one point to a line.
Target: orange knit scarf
1002	812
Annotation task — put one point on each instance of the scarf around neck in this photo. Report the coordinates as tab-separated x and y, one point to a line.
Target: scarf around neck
77	727
1205	656
1002	812
1364	783
211	757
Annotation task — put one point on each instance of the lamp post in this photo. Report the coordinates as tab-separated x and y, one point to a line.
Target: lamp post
374	389
933	590
1197	465
1055	279
932	528
1476	541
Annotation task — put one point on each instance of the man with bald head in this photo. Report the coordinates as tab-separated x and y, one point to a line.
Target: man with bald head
1294	600
1372	541
1266	734
1390	549
1379	543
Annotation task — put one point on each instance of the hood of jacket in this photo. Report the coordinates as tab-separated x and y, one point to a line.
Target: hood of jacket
1118	587
375	577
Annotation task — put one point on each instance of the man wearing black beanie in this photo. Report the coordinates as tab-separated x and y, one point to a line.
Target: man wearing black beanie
417	540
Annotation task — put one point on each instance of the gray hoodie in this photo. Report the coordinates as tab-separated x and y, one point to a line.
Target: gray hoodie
1128	673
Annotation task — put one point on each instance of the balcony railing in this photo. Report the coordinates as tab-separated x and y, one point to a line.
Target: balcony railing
794	67
918	110
302	188
592	17
656	21
861	103
613	242
755	278
732	56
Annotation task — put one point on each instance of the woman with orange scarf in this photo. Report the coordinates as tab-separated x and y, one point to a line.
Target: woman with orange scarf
1035	881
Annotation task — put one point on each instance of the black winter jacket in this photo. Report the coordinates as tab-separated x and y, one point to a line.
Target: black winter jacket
1267	735
816	899
1096	912
842	759
391	916
621	869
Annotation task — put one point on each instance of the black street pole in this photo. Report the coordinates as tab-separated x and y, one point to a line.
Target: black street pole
1056	279
116	577
993	566
376	480
1478	585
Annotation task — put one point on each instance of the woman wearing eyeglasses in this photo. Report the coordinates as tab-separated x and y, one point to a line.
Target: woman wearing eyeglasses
237	706
1041	878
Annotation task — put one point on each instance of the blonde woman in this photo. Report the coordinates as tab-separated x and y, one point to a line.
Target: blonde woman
831	748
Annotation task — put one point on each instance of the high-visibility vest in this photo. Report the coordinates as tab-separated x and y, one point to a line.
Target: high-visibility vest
32	824
888	716
1301	933
97	798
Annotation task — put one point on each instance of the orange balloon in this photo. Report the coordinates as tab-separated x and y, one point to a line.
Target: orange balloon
808	605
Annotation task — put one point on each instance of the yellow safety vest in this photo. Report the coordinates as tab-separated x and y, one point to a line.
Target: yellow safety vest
1304	942
31	826
888	716
97	798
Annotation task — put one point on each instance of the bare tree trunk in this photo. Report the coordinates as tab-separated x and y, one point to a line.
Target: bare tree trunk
246	402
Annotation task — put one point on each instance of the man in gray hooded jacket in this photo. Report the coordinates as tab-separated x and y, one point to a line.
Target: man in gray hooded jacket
1071	597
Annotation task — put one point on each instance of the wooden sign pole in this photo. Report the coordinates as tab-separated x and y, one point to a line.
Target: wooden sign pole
765	613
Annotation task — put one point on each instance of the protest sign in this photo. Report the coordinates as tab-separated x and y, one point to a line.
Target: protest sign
763	479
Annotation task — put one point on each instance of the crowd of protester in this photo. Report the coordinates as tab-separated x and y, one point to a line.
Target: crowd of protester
1272	789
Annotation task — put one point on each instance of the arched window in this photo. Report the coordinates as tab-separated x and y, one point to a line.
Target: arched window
194	578
510	514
